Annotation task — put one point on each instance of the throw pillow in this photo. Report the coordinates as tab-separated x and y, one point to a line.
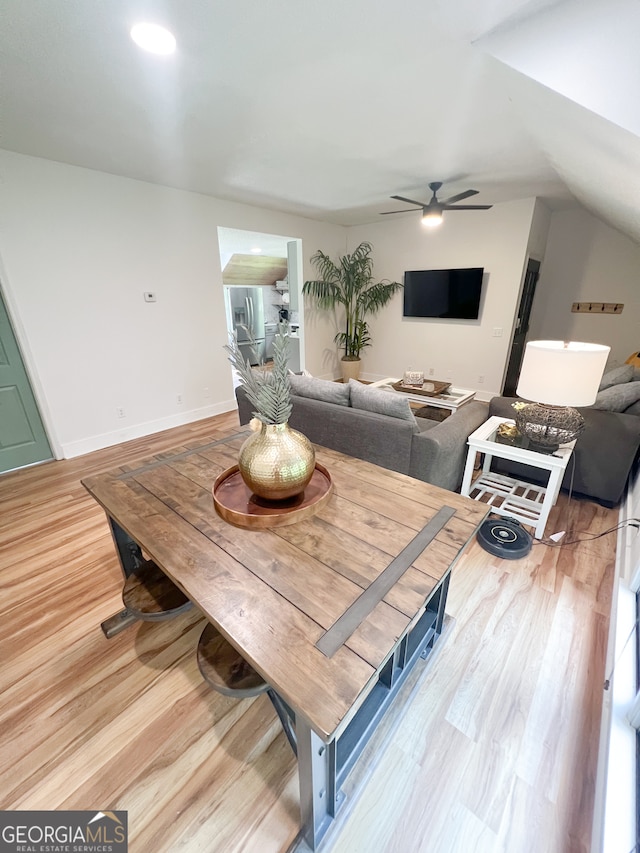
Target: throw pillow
618	397
383	402
634	409
617	376
320	389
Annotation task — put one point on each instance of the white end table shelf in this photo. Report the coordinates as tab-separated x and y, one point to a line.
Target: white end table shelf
528	503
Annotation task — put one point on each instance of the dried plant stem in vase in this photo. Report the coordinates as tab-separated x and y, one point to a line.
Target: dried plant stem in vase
277	462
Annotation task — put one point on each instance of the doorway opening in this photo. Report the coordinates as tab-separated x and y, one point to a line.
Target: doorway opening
522	328
262	282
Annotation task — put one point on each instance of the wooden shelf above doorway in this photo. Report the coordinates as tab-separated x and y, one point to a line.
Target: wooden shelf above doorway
252	270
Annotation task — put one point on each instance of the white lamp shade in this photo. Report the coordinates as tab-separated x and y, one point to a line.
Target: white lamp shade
562	373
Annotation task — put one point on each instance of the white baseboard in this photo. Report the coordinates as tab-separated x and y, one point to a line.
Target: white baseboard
486	396
108	439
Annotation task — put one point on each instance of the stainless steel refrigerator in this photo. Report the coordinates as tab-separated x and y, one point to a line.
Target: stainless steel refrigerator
245	313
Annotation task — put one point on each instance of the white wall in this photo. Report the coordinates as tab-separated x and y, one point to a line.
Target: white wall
77	250
587	260
584	49
539	234
460	350
79	247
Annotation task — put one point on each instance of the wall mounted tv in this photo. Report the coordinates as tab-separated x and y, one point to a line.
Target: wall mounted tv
451	294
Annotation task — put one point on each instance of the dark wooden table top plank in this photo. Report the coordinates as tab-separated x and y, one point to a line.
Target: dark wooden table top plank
358	560
308	583
357	521
201	470
348	523
273	593
414	490
405	510
413	508
275	637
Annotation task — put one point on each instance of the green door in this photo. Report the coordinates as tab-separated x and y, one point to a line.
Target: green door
23	440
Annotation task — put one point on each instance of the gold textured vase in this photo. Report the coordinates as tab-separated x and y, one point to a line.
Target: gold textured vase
277	462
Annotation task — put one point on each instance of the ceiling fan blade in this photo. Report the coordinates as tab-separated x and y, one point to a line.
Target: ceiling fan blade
409	200
406	210
460	196
468	207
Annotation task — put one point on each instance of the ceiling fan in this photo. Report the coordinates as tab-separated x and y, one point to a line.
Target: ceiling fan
432	211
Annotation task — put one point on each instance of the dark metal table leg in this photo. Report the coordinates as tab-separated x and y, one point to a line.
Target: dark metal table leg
130	557
128	551
319	799
117	623
287	718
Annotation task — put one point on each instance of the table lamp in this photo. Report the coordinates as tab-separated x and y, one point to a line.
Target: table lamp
557	375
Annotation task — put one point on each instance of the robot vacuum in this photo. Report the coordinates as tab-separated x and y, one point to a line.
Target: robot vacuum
505	538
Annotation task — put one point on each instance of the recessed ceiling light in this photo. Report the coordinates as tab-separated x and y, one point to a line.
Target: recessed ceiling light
154	38
256	250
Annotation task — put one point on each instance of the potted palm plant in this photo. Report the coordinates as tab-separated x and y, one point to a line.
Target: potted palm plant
349	283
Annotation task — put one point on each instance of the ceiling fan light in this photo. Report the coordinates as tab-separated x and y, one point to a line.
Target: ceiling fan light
432	218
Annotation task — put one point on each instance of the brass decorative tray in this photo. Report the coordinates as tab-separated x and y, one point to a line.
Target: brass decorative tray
235	502
430	388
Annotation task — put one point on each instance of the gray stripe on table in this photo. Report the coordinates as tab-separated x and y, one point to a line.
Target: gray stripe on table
343	628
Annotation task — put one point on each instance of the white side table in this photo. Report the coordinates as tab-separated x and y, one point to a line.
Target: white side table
528	503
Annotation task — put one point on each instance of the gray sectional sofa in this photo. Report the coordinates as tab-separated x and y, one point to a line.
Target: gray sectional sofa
604	454
378	426
608	447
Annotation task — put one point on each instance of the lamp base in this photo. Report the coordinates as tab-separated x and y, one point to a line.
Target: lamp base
547	427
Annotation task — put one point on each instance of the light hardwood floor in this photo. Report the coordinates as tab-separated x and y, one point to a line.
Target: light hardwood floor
495	753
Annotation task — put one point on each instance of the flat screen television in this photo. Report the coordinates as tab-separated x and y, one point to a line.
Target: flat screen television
451	294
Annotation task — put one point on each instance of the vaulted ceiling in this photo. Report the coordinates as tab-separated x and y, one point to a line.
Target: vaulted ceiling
327	109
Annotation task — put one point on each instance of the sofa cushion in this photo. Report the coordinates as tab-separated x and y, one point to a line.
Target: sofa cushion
366	435
617	375
634	409
382	402
617	398
321	389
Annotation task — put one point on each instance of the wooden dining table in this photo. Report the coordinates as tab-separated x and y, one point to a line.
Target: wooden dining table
332	610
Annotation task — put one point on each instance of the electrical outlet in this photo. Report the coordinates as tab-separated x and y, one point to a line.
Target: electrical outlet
179	399
431	371
205	393
119	411
497	331
149	296
480	379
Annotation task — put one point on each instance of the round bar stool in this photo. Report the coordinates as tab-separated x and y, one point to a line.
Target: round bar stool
149	595
224	669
